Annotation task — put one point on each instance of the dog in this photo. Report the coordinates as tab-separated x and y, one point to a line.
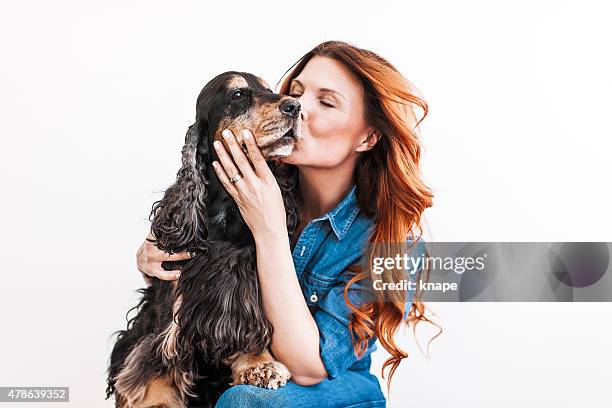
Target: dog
193	338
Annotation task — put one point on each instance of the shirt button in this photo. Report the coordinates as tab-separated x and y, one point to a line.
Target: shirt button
313	297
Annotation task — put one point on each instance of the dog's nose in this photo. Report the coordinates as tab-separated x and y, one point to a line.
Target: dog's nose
290	107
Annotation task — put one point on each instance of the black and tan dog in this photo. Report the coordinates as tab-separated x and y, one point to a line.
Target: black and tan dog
193	338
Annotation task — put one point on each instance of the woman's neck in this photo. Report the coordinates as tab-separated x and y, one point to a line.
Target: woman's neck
322	189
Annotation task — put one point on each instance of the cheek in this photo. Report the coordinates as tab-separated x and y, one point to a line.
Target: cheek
334	129
328	140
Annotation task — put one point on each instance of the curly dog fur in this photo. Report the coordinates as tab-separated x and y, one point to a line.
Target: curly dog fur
179	347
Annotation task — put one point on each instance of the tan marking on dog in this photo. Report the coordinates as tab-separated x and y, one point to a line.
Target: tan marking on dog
129	389
184	383
237	81
161	392
168	345
265	121
236	125
261	370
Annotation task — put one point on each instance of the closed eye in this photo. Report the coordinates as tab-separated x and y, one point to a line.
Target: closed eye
323	102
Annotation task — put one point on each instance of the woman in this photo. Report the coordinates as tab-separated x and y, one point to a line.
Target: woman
358	181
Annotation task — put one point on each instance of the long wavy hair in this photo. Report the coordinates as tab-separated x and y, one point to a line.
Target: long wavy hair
389	172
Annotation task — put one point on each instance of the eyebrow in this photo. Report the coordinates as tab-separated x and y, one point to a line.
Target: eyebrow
326	90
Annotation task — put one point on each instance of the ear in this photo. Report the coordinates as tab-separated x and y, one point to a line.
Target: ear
369	141
178	219
286	176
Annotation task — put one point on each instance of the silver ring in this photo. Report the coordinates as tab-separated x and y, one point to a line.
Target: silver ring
235	178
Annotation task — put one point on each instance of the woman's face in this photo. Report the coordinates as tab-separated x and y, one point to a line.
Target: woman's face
333	123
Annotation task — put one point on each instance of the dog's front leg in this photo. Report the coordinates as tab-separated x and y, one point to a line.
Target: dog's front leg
261	370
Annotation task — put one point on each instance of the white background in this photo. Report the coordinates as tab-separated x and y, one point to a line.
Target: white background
95	99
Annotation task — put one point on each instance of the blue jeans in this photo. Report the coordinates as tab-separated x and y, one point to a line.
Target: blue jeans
356	389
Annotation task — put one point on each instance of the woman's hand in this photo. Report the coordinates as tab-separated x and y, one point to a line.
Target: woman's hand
149	259
261	204
256	193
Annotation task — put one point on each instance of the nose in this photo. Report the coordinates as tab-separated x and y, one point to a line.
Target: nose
290	107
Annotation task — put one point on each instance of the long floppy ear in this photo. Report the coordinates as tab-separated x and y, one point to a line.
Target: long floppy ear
178	219
286	177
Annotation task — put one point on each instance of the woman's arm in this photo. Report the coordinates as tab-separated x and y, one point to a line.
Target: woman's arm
149	260
295	341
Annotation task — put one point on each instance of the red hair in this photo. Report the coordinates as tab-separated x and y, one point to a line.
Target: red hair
389	172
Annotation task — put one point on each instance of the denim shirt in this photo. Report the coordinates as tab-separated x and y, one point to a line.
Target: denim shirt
327	246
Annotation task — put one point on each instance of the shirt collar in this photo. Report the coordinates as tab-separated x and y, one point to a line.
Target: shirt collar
342	215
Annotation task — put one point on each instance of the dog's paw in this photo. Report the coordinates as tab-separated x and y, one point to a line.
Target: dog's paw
266	374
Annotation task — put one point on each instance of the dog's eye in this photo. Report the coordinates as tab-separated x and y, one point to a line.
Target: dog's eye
238	95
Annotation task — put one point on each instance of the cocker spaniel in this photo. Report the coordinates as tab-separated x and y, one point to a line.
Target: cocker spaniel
193	338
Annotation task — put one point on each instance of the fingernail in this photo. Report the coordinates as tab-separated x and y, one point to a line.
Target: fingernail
217	144
226	133
177	275
247	135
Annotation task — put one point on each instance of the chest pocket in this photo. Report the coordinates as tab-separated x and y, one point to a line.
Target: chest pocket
315	288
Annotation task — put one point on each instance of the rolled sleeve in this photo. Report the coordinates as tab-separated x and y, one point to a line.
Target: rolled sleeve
335	341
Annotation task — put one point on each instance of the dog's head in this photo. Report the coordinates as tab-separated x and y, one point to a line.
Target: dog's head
197	205
238	101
